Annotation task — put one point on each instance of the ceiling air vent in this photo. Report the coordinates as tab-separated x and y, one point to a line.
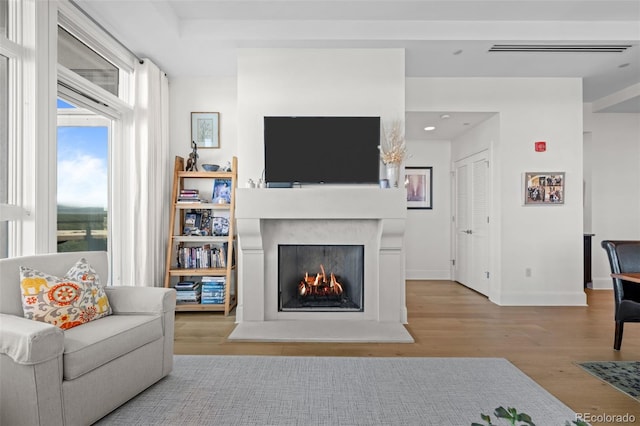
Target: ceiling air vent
562	48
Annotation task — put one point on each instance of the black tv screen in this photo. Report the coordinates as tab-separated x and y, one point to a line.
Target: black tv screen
321	149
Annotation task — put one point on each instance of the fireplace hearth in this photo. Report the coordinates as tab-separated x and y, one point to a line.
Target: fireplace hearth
320	278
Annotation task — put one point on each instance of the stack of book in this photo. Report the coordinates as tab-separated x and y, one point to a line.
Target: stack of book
213	290
189	196
188	292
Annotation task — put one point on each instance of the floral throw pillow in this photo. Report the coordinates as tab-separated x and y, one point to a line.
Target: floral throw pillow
66	302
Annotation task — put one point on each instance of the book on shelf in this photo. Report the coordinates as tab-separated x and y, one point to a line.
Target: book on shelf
188	302
187	285
212	301
188	299
189	196
213	287
188	294
214	284
213	295
212	279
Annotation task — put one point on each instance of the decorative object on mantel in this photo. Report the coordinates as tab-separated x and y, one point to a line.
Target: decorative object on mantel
393	151
192	162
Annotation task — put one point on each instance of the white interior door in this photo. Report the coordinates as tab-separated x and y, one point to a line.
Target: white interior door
471	222
462	223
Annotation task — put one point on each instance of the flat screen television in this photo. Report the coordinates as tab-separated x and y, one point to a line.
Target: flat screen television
335	150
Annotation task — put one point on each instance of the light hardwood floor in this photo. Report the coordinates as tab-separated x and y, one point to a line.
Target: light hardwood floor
447	319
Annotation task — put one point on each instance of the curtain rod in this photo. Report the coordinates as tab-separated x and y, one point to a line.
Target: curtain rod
141	61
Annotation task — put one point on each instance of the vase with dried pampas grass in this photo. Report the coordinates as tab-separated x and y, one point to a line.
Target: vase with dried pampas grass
393	151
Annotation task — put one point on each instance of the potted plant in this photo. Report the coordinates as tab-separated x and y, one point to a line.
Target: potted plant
514	418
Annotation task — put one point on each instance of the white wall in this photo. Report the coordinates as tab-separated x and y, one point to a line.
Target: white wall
483	137
614	169
361	82
428	241
203	94
547	239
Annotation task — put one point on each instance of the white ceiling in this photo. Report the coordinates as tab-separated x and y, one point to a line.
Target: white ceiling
448	38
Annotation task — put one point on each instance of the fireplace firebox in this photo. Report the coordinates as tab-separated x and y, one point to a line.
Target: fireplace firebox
320	278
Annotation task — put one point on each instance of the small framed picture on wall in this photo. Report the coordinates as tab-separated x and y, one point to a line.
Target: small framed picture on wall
419	184
543	188
205	129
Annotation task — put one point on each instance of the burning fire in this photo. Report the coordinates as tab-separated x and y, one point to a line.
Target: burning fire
319	285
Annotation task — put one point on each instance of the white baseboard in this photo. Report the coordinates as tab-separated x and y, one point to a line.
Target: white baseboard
543	299
427	274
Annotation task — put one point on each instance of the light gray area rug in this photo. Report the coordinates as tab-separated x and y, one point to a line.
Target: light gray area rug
331	391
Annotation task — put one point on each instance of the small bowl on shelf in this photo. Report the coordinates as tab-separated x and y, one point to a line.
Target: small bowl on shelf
210	167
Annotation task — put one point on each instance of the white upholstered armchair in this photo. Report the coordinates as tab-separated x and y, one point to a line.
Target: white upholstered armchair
51	376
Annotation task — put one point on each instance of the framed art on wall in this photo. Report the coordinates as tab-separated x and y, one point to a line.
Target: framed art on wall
419	184
543	188
205	129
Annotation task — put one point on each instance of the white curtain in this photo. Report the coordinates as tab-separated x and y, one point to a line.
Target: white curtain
141	184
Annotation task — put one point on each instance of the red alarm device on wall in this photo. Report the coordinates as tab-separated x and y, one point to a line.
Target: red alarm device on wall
541	146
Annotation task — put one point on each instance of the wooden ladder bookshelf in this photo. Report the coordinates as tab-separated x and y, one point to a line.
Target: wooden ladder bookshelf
201	245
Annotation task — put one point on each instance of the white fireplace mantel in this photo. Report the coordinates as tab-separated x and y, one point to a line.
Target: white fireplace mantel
370	216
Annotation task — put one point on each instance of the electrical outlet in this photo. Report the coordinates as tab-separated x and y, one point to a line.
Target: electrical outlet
527	272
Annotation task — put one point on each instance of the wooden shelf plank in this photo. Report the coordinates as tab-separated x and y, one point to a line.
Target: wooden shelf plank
199	239
177	272
197	307
210	175
203	206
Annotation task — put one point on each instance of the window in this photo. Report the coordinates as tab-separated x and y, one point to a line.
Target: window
4	146
94	73
81	59
4	17
83	179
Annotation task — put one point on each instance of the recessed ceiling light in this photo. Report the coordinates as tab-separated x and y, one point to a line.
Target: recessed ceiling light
445	116
429	128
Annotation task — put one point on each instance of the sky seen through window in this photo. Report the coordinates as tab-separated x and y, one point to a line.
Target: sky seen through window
82	164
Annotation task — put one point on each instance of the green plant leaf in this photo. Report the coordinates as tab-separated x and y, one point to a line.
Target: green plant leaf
523	417
502	413
580	423
484	417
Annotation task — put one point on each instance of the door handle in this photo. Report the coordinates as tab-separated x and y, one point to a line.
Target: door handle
468	231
